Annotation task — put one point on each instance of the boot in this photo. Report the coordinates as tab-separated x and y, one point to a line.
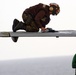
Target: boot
19	26
15	39
15	22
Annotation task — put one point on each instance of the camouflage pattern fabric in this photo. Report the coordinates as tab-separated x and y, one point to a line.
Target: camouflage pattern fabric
32	27
29	23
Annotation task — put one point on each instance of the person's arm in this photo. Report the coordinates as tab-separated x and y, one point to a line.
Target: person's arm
38	17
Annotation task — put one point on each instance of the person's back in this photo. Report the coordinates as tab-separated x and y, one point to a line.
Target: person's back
33	10
36	12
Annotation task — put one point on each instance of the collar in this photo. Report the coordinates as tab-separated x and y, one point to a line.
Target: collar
44	5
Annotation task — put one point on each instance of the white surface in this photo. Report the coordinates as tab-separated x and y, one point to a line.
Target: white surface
38	66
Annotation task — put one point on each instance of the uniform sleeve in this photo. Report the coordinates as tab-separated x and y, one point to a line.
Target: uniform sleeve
38	17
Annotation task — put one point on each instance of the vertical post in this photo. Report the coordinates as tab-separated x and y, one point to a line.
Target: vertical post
75	71
74	63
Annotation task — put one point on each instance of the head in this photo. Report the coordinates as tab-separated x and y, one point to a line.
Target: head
54	9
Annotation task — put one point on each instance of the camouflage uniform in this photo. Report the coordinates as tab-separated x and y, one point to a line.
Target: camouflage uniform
36	17
30	24
32	17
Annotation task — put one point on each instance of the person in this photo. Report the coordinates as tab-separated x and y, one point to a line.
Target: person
36	17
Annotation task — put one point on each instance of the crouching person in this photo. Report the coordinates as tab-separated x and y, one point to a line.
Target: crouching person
36	17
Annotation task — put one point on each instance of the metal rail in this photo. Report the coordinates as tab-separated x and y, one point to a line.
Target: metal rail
60	33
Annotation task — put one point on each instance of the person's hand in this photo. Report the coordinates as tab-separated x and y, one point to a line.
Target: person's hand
43	29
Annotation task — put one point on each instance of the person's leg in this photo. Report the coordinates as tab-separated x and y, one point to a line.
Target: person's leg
15	22
19	26
32	27
30	24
